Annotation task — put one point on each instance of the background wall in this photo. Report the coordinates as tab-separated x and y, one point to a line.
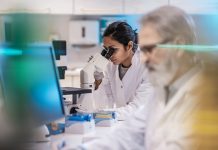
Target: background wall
57	27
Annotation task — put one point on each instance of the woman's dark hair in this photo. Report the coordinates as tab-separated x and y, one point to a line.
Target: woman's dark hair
123	33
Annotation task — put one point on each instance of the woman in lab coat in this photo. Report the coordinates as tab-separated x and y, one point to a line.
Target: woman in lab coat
125	83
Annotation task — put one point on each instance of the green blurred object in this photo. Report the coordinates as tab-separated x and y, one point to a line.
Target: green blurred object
9	51
197	48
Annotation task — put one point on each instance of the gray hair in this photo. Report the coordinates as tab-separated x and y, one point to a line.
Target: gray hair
172	22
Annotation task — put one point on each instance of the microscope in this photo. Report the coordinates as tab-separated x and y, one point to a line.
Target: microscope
82	118
99	61
82	98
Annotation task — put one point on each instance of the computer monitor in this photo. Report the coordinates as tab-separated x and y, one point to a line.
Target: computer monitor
30	84
60	48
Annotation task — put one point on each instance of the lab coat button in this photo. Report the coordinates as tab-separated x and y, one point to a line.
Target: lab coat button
121	86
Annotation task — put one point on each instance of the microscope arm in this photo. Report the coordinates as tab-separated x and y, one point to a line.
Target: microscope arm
86	74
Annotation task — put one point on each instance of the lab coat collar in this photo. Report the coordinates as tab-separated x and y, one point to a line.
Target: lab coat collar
135	64
176	85
135	57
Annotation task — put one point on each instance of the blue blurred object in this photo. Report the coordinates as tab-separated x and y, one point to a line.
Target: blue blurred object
79	117
76	118
79	123
60	128
31	84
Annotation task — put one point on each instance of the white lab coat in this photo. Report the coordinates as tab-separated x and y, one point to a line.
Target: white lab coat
157	126
127	94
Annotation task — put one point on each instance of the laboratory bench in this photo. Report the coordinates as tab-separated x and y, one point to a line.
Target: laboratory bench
73	140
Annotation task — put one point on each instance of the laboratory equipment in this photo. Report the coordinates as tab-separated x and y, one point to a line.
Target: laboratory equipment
98	62
75	92
79	123
105	118
57	127
60	48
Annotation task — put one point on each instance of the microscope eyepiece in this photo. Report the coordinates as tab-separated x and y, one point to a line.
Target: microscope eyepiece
107	52
104	52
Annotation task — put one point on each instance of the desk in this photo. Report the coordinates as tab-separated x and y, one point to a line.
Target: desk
74	140
77	139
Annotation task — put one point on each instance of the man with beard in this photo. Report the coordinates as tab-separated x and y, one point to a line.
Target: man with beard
168	121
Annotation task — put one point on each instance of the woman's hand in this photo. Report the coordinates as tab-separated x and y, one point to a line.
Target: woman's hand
98	78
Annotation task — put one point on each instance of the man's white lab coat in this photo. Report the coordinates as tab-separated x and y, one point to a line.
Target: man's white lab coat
158	126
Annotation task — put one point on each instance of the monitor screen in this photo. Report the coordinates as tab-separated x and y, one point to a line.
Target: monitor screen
30	84
60	48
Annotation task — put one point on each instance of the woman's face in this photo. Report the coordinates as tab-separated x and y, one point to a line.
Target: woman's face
121	52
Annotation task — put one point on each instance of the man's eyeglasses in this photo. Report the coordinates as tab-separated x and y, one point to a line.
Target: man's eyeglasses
149	48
